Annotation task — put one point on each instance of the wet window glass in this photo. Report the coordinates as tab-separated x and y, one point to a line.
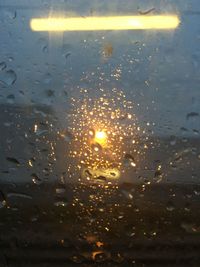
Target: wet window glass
99	133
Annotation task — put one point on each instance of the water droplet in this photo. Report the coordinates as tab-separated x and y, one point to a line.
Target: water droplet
2	66
45	49
96	147
192	115
50	92
187	207
34	218
196	132
184	140
66	47
170	206
87	174
91	133
65	92
10	14
101	178
99	244
67	56
195	61
117	257
60	190
11	99
129	160
35	179
13	160
146	181
60	203
8	123
100	256
2	200
77	259
183	130
107	50
190	227
197	193
113	174
39	131
172	140
66	135
8	77
127	194
158	174
18	195
10	59
178	158
40	112
31	161
47	78
43	44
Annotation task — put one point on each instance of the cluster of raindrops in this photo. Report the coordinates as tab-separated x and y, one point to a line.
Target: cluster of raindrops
102	127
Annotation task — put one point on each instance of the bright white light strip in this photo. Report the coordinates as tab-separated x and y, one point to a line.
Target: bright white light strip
158	22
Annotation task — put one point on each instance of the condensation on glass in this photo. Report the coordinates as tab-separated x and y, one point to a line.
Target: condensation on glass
99	131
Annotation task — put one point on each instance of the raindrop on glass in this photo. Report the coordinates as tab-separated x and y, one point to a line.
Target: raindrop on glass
10	14
100	256
50	92
13	160
66	135
43	44
96	147
2	200
8	77
10	99
172	140
35	179
60	190
192	115
2	66
60	203
47	78
170	206
129	160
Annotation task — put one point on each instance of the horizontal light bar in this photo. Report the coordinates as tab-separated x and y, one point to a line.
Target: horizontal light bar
158	22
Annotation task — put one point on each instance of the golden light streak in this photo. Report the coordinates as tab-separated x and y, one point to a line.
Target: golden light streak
157	22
